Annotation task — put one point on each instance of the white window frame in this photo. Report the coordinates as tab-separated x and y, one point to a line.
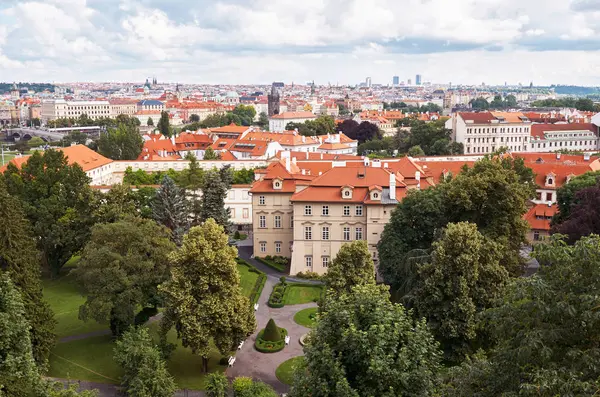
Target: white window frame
325	233
263	246
277	221
308	261
346	233
346	210
308	232
262	222
358	211
261	200
308	210
325	210
325	261
358	231
278	247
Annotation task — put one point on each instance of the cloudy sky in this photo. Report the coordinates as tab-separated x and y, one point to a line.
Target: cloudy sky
337	41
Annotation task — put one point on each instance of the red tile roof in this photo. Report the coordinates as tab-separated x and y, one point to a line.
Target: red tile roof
76	154
540	215
294	115
537	130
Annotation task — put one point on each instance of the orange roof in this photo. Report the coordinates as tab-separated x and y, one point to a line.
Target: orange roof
355	176
333	146
285	138
540	215
320	156
76	154
538	130
231	128
330	195
294	115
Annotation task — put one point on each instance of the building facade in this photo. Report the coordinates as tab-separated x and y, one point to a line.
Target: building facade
53	109
278	122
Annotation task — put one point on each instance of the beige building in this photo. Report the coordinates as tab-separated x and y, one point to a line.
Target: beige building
307	216
127	107
59	108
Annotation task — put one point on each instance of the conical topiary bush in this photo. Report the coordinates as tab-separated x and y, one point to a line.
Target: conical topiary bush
271	333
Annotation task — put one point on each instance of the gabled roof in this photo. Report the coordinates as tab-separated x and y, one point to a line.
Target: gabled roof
77	154
294	115
537	216
538	130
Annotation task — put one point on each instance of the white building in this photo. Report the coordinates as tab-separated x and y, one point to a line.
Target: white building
554	137
59	108
279	121
486	132
150	104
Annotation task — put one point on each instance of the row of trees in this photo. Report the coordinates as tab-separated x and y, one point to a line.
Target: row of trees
584	104
429	107
322	125
508	102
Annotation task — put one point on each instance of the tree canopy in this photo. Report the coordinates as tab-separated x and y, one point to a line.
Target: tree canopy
214	190
164	124
56	199
353	265
584	216
170	208
120	270
121	143
364	345
203	299
322	125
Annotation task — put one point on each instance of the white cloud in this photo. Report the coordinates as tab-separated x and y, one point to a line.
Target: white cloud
327	40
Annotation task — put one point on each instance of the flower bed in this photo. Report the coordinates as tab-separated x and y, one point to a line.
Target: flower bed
264	346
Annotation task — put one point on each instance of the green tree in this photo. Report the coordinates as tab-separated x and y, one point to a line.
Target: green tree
352	266
584	218
57	389
119	202
217	385
194	118
245	387
416	151
263	120
192	179
36	141
170	208
164	125
479	104
203	299
462	278
19	259
19	376
271	333
497	103
245	114
57	199
210	154
76	137
214	190
364	345
510	101
145	373
150	122
120	270
121	143
546	330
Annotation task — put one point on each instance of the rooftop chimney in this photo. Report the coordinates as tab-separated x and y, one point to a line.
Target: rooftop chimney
366	161
287	164
558	156
293	160
417	175
392	186
586	156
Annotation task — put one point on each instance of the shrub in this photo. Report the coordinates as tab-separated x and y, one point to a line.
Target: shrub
271	332
282	280
224	361
144	315
241	384
281	260
309	276
276	298
264	346
268	257
217	384
236	235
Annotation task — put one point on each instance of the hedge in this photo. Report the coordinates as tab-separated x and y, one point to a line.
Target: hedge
270	347
272	262
258	285
276	298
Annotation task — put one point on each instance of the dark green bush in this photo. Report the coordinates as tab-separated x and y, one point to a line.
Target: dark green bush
236	235
264	346
144	315
271	332
224	361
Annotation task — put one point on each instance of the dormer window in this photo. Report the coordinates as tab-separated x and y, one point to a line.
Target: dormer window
277	184
550	179
347	192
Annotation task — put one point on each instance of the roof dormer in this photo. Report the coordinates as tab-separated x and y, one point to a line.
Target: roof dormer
347	192
551	179
375	192
277	184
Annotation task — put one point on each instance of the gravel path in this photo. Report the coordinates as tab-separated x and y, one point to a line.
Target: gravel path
262	366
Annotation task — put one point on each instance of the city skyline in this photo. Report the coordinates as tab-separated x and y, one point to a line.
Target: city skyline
243	42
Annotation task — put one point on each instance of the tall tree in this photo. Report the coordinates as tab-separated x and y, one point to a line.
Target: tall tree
546	330
19	259
462	278
347	127
366	131
352	266
119	202
263	120
56	199
364	345
120	270
164	124
150	122
19	376
565	195
217	385
192	179
203	299
170	208
214	190
584	217
210	154
145	373
121	143
244	114
194	118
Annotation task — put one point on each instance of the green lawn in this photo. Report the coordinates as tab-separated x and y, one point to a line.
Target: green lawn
64	299
303	317
302	293
91	359
285	372
247	279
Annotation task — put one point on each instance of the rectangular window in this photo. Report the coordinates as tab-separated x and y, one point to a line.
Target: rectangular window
308	233
346	235
325	232
548	196
262	221
536	236
325	261
308	260
346	210
245	213
278	247
263	246
359	210
261	200
539	196
308	210
359	234
291	221
325	210
277	221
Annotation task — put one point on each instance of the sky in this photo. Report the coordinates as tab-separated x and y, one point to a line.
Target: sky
328	41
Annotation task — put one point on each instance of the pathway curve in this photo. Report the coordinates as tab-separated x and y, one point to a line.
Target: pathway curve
72	338
262	366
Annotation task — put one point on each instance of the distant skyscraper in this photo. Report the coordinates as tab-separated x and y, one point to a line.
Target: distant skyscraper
396	80
409	82
368	82
418	79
